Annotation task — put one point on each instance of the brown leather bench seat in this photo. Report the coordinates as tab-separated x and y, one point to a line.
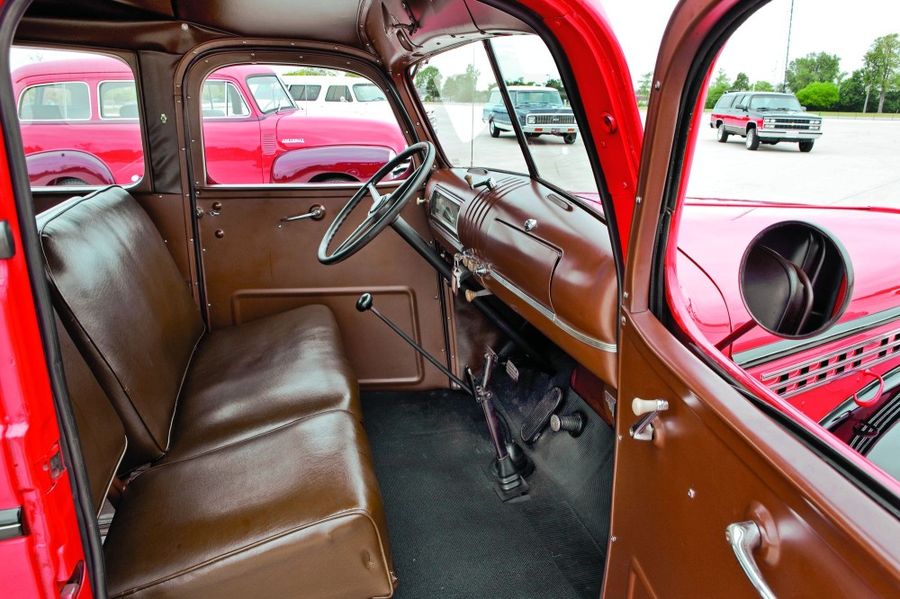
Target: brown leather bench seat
260	479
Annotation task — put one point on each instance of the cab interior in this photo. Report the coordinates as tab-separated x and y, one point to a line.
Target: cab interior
250	414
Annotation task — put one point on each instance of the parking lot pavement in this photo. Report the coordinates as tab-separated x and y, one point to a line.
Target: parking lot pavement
856	162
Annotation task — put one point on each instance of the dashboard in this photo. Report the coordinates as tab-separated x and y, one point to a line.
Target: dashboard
545	256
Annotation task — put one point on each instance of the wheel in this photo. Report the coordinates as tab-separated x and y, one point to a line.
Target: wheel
806	146
569	138
70	182
752	141
721	134
495	132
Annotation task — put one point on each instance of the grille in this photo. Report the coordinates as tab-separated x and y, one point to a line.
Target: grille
268	144
810	374
554	119
781	123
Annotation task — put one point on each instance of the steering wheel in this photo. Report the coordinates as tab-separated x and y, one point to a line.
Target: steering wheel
385	208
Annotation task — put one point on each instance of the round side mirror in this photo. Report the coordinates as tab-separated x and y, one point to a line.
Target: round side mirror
796	279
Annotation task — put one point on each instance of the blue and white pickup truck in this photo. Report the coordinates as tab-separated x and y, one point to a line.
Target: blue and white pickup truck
540	111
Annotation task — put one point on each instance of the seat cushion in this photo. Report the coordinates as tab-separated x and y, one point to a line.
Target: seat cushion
294	512
253	377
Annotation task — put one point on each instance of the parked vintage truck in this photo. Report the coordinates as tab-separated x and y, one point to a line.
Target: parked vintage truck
79	122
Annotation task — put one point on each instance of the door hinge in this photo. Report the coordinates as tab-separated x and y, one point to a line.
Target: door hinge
11	525
7	243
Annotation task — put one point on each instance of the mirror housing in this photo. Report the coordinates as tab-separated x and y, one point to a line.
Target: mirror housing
796	279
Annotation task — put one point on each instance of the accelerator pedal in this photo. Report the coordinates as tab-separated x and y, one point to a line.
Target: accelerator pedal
537	421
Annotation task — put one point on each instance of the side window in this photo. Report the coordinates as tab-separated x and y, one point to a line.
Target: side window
338	93
118	100
304	92
56	102
56	89
455	88
725	102
221	99
271	124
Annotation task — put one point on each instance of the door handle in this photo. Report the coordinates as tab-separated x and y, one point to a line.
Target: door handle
648	410
316	212
744	537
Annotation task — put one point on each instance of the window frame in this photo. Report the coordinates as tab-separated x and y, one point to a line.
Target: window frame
280	83
63	120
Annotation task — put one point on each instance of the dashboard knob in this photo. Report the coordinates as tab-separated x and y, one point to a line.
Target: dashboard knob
531	224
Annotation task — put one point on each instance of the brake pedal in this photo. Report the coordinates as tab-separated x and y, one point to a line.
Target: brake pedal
537	421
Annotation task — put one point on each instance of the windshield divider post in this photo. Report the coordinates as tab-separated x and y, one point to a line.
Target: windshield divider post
510	109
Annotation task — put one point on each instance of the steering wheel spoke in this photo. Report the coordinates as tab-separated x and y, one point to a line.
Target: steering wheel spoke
385	208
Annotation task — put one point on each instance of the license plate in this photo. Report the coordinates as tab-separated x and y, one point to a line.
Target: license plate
554	130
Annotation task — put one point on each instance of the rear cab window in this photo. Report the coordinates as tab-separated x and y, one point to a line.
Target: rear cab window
78	115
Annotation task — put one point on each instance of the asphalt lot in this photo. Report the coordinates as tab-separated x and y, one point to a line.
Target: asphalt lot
855	162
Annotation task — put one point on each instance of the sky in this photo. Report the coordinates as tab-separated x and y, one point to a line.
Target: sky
758	46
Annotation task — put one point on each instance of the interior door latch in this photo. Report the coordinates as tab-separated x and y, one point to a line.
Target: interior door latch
647	409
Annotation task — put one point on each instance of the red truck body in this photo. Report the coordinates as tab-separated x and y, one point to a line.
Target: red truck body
97	147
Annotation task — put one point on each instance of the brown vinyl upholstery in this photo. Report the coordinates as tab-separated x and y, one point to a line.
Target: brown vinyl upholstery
130	313
294	512
262	482
100	433
121	297
245	379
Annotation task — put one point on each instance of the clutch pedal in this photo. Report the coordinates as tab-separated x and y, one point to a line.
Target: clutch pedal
537	421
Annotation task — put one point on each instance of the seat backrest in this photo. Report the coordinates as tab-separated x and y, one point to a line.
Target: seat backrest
121	297
100	432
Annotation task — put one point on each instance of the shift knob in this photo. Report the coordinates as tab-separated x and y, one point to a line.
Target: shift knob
364	303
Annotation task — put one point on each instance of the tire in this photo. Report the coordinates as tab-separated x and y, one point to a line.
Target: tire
721	134
570	138
495	132
752	141
69	182
806	146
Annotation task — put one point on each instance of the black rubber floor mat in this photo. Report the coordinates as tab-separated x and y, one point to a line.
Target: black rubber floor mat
450	535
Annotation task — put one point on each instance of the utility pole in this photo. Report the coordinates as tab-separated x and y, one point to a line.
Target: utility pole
787	50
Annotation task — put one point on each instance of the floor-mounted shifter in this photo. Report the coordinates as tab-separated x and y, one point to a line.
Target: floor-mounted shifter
511	465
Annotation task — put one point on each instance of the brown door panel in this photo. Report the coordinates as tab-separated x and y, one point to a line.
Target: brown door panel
255	265
716	459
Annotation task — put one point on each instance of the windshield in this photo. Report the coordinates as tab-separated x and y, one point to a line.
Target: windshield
545	98
368	92
774	103
269	93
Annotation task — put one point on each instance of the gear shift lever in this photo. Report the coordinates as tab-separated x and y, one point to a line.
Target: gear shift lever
365	303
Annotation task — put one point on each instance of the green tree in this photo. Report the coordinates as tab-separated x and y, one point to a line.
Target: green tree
312	71
461	87
882	65
852	92
741	82
429	81
819	95
762	86
717	88
557	84
643	89
812	68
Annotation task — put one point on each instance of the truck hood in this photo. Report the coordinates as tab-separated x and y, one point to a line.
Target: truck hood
714	234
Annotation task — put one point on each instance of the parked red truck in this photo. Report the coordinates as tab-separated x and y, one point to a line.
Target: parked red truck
80	127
